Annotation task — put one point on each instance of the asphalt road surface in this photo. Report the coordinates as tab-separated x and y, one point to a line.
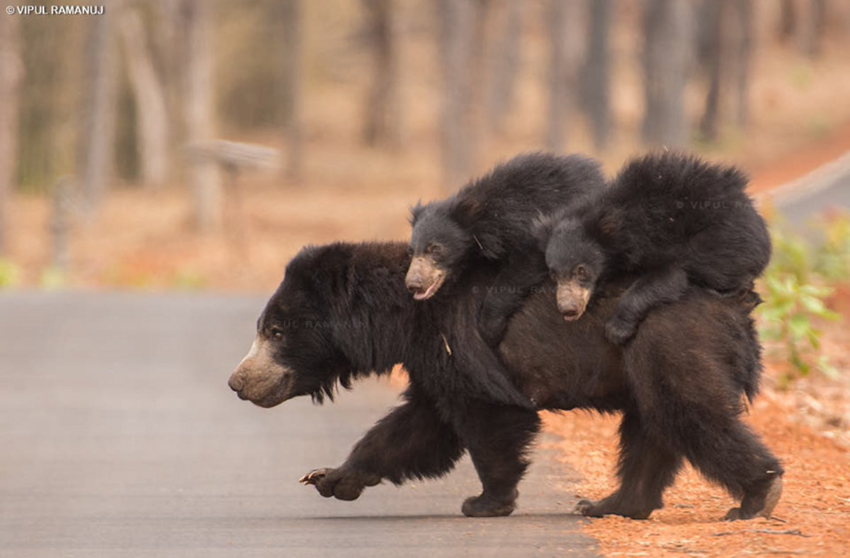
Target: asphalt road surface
825	189
119	437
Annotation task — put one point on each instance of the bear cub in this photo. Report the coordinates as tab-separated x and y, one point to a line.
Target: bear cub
487	224
669	218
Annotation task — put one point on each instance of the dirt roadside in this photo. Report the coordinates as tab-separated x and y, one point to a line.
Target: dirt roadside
812	519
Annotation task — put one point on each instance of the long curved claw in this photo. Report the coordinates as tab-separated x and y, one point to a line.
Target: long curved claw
314	476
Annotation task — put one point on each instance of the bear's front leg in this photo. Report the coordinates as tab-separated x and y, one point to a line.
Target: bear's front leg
497	437
340	483
411	442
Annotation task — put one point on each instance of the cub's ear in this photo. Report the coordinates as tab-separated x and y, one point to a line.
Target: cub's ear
467	211
416	212
541	230
611	222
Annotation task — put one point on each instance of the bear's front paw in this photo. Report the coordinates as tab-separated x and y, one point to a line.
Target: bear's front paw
340	483
487	506
618	331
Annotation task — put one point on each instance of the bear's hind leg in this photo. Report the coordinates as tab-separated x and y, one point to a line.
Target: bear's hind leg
733	456
646	469
689	394
497	437
699	419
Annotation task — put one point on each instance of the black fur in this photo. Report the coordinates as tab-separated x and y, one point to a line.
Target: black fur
490	220
670	218
494	212
344	313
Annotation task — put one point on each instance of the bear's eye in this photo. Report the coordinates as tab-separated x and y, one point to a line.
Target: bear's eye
582	273
276	333
435	249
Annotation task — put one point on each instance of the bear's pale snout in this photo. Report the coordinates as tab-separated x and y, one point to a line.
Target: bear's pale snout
235	382
260	379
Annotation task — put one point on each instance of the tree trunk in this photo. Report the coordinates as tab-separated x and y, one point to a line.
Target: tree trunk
596	72
199	109
168	39
506	64
98	134
666	60
289	15
479	72
743	10
787	19
152	115
813	27
561	23
381	125
11	69
456	18
711	58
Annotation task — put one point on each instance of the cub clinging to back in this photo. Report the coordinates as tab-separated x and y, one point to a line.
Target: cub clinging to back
487	224
669	218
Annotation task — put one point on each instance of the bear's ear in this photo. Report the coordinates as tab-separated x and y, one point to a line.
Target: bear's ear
331	270
416	212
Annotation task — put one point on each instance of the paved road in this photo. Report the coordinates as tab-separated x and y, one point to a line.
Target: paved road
119	437
826	188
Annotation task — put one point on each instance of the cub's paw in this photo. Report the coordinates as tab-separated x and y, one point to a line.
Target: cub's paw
492	328
340	483
492	336
618	331
487	506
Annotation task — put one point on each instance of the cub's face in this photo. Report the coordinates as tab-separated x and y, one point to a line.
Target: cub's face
292	353
575	263
437	248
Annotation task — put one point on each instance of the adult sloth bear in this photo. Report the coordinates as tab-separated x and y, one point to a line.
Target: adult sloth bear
343	312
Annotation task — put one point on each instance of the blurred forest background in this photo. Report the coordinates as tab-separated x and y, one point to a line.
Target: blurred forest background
193	144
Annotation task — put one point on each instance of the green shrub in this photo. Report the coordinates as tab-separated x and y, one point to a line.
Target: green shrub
833	257
796	288
188	280
787	315
53	278
9	274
